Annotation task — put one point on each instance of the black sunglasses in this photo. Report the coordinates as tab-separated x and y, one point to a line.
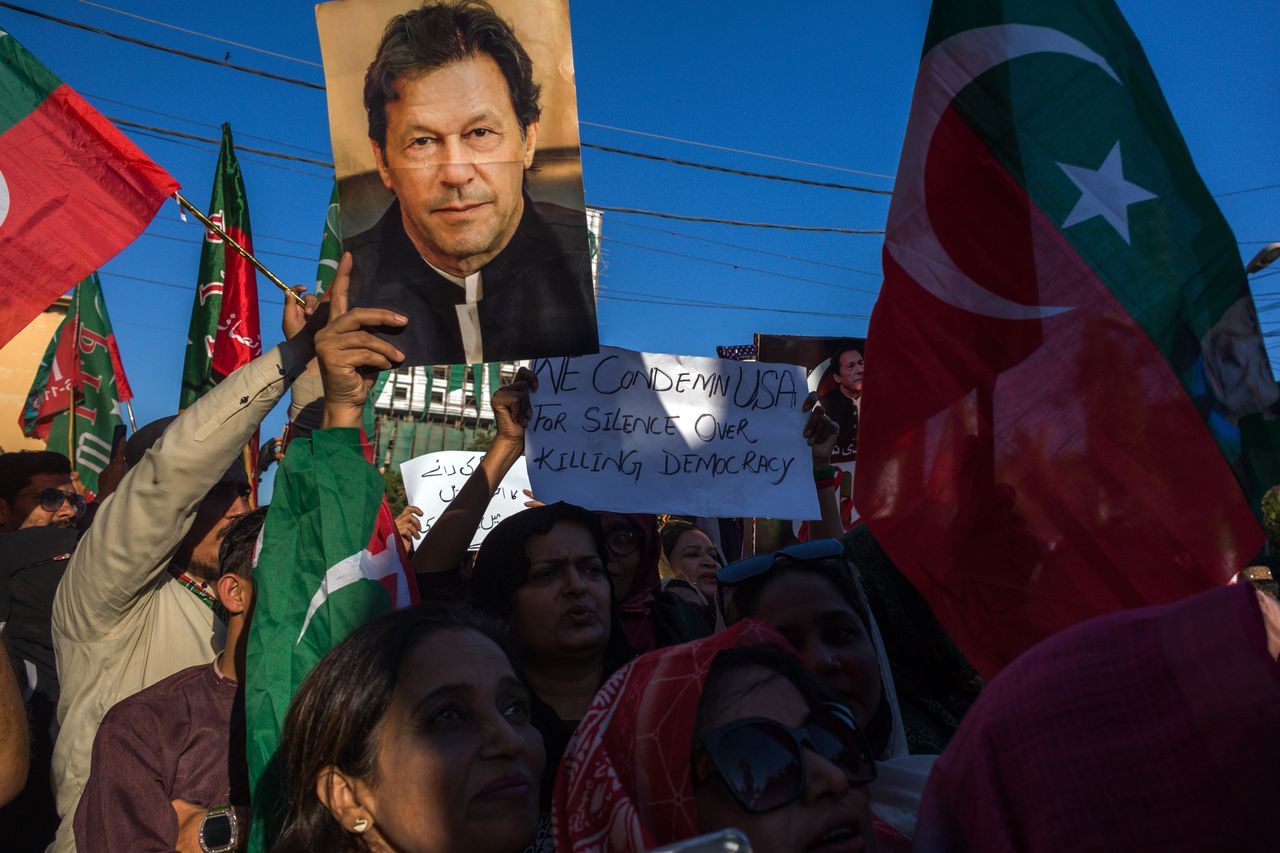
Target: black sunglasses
51	500
762	762
743	570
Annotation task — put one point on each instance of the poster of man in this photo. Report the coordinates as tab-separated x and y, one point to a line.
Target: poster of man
835	369
454	129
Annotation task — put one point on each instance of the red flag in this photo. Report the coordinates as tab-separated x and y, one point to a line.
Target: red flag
74	191
1051	431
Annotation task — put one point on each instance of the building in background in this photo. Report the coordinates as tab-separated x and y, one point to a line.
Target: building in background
19	360
446	407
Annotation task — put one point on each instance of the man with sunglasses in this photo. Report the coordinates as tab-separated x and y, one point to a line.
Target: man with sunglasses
136	603
36	491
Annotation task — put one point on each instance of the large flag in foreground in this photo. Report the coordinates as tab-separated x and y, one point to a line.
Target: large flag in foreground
330	561
81	367
74	190
224	332
1065	371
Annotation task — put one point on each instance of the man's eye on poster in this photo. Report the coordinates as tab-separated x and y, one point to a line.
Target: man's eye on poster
835	369
455	141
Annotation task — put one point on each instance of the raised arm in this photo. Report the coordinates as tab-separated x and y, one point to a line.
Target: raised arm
448	539
140	526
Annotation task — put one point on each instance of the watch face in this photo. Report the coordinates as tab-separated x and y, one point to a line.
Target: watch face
216	831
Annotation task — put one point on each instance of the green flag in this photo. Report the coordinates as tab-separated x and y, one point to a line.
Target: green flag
374	393
90	365
329	562
224	277
330	245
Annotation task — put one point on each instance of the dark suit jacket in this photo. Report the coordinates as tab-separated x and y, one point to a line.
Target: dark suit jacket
537	298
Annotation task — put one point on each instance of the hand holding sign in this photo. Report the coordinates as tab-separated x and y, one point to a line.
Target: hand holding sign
637	432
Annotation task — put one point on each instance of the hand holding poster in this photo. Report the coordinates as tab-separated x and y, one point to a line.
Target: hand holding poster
433	480
638	432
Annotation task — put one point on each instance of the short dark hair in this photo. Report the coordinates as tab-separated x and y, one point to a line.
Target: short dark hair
672	531
235	552
846	345
835	570
17	469
434	36
334	717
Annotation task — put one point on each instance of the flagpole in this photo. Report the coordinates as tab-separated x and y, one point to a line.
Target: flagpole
128	407
244	253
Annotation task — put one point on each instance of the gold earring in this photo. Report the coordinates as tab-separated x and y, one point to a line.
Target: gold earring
360	825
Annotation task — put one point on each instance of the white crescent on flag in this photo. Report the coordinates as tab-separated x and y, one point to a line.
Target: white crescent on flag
951	65
362	566
4	194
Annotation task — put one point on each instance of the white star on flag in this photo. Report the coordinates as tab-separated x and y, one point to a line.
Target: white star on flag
1105	193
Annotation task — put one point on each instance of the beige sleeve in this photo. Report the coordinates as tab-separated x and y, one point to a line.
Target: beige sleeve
139	527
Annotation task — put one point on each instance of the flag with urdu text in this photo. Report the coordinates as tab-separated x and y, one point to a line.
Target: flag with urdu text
224	332
81	363
74	190
1065	375
330	561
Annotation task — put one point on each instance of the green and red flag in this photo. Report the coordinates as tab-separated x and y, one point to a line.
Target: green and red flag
81	366
74	190
1066	378
330	245
224	332
330	560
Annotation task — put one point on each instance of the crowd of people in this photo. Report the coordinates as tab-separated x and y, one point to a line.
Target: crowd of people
584	681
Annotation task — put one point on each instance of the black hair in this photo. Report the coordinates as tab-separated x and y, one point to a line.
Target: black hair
436	35
334	718
745	598
845	345
17	469
502	567
672	531
780	662
235	551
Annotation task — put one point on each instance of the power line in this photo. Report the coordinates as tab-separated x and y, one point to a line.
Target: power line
153	46
687	236
249	157
737	222
1248	190
729	171
256	251
607	293
239	134
173	286
201	35
183	135
734	150
259	235
731	265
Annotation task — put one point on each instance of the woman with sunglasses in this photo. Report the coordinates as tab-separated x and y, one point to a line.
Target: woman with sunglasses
726	732
809	594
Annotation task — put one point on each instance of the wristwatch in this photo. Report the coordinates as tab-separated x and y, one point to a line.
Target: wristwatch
219	830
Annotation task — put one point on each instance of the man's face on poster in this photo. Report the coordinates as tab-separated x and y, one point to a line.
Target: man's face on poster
455	158
849	373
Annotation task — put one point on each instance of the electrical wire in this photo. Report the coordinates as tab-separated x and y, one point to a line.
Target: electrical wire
263	51
239	134
256	250
178	134
687	236
153	46
734	150
606	293
616	242
737	222
729	171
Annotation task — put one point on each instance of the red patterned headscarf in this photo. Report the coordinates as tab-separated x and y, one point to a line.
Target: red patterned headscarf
625	783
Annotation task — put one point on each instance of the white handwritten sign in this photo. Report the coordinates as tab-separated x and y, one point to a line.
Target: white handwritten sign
636	432
433	480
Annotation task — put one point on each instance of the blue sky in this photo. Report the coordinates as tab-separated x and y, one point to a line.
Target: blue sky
824	83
